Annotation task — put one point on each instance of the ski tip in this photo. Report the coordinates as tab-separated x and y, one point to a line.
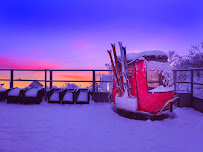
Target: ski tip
120	43
113	46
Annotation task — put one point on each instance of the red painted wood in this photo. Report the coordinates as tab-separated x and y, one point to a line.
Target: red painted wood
114	91
149	102
133	86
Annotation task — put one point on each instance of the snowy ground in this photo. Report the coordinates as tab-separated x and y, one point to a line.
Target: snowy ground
95	128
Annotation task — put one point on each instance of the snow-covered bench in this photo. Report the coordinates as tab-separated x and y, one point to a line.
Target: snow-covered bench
67	96
14	95
82	96
33	95
53	95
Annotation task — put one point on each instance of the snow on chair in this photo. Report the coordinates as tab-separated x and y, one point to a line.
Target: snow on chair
33	96
53	95
82	96
14	95
67	96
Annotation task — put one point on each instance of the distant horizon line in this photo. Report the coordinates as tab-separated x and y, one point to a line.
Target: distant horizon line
75	69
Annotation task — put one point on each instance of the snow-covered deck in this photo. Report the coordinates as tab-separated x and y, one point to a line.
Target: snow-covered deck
95	128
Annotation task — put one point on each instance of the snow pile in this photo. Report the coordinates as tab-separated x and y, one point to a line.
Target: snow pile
68	96
162	89
134	56
32	92
14	92
126	103
83	96
55	96
2	89
165	70
95	128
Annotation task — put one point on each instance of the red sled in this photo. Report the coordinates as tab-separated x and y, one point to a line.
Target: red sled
152	88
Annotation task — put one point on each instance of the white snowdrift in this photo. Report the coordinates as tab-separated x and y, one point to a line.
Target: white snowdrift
14	92
95	128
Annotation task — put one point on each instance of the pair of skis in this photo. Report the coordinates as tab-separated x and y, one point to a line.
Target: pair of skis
125	68
116	71
122	80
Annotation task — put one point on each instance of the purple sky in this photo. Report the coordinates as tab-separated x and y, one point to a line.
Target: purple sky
76	34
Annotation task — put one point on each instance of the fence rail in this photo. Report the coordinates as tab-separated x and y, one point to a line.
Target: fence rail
50	81
93	81
192	83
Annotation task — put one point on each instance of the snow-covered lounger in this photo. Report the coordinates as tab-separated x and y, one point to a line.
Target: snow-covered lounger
82	96
53	95
14	95
68	96
33	96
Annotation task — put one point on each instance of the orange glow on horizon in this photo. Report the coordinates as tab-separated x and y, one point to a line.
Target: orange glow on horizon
30	63
35	75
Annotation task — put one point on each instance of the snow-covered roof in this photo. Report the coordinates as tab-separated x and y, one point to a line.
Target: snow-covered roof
35	84
140	55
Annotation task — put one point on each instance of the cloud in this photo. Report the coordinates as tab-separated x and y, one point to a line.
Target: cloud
81	43
134	51
79	76
27	63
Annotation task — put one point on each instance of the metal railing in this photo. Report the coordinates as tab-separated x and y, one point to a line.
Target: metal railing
45	80
191	82
93	81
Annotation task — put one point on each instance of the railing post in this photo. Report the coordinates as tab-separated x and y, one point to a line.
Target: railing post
192	82
45	85
175	77
50	79
93	91
171	106
11	80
